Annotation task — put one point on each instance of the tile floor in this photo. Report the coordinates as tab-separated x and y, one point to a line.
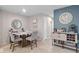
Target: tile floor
44	46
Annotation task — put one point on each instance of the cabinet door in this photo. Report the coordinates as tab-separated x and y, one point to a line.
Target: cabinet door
55	36
62	37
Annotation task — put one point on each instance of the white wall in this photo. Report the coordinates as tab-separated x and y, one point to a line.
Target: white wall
0	28
44	25
40	25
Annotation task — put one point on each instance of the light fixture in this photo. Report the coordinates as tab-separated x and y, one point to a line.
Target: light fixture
23	10
49	20
34	21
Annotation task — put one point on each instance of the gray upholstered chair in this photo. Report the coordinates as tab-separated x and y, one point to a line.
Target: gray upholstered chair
14	41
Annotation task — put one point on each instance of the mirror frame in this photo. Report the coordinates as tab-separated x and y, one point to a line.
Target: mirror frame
14	24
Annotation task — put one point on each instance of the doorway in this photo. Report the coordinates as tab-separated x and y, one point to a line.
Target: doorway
48	27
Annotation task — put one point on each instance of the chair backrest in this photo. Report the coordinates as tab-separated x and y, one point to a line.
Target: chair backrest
12	37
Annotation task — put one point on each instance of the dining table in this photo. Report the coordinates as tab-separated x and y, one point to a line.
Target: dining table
23	36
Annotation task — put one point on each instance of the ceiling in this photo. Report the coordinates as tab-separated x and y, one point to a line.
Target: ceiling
31	9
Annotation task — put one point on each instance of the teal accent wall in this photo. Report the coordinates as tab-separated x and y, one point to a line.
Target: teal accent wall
74	10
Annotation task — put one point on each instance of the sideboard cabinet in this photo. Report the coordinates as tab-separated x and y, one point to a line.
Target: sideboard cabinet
65	40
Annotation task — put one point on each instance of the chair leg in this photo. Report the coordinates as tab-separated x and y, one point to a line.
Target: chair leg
10	46
36	42
13	47
31	45
52	42
22	43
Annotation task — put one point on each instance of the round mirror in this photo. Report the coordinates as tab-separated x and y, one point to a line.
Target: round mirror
16	24
65	18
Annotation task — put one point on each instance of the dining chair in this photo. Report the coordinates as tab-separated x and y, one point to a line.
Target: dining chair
14	41
32	39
